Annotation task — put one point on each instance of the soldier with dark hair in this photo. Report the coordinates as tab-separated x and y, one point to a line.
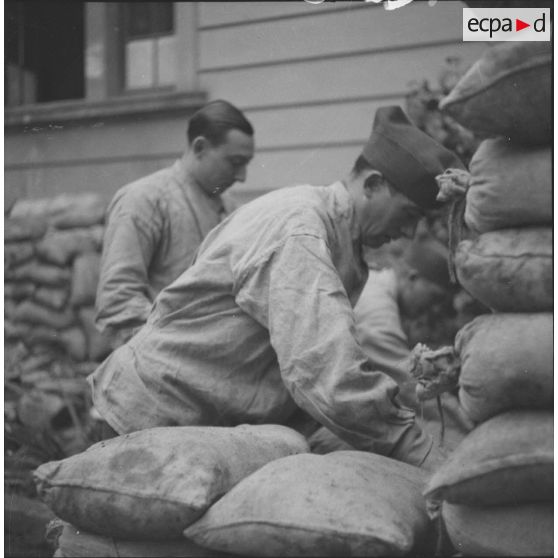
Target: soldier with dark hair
155	224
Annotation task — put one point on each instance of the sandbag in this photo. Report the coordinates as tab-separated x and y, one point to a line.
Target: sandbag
510	186
37	409
42	274
60	247
346	503
16	253
33	362
98	345
76	543
64	211
37	314
85	277
516	530
18	290
510	270
507	92
23	228
153	483
53	297
505	460
37	335
74	342
506	363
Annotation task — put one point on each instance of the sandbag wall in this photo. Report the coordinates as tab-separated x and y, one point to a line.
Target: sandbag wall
51	266
495	491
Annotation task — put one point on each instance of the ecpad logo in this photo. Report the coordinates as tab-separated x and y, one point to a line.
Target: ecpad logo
506	24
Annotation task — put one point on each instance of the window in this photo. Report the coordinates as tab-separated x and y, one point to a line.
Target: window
44	52
149	45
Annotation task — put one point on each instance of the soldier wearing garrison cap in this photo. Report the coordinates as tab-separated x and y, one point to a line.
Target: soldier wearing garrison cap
260	329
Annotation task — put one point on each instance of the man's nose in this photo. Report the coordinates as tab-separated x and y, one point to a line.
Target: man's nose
240	174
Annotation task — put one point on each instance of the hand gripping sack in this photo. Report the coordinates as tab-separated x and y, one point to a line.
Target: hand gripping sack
346	503
506	363
505	460
507	92
153	483
510	270
510	186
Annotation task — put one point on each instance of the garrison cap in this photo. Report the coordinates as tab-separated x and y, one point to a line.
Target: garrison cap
407	157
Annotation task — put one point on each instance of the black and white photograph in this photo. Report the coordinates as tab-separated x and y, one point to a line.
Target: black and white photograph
278	278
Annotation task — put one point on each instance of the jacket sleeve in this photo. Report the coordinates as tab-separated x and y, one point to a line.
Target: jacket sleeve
124	298
296	293
380	334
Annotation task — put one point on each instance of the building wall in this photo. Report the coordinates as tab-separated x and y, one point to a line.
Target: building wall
308	76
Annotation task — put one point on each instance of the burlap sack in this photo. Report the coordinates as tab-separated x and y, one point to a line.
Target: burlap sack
509	270
34	362
515	530
15	253
346	503
37	314
506	363
18	290
64	211
85	277
153	483
41	274
23	228
507	92
36	409
505	460
60	247
76	543
511	186
74	341
53	297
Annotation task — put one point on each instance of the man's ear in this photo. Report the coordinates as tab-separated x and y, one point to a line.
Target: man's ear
199	145
373	180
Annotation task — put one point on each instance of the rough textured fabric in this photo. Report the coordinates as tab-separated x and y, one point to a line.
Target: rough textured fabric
60	247
505	460
261	323
379	329
506	363
65	211
515	530
510	186
507	92
347	503
76	543
154	227
510	270
154	483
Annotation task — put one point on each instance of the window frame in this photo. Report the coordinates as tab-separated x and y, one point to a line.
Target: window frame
104	96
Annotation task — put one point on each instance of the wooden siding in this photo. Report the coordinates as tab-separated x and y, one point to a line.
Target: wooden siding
308	76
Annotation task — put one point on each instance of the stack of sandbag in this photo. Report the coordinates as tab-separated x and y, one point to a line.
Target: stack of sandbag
345	503
134	495
495	492
51	265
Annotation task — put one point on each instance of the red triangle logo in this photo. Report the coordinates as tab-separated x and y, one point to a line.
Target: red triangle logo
519	25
